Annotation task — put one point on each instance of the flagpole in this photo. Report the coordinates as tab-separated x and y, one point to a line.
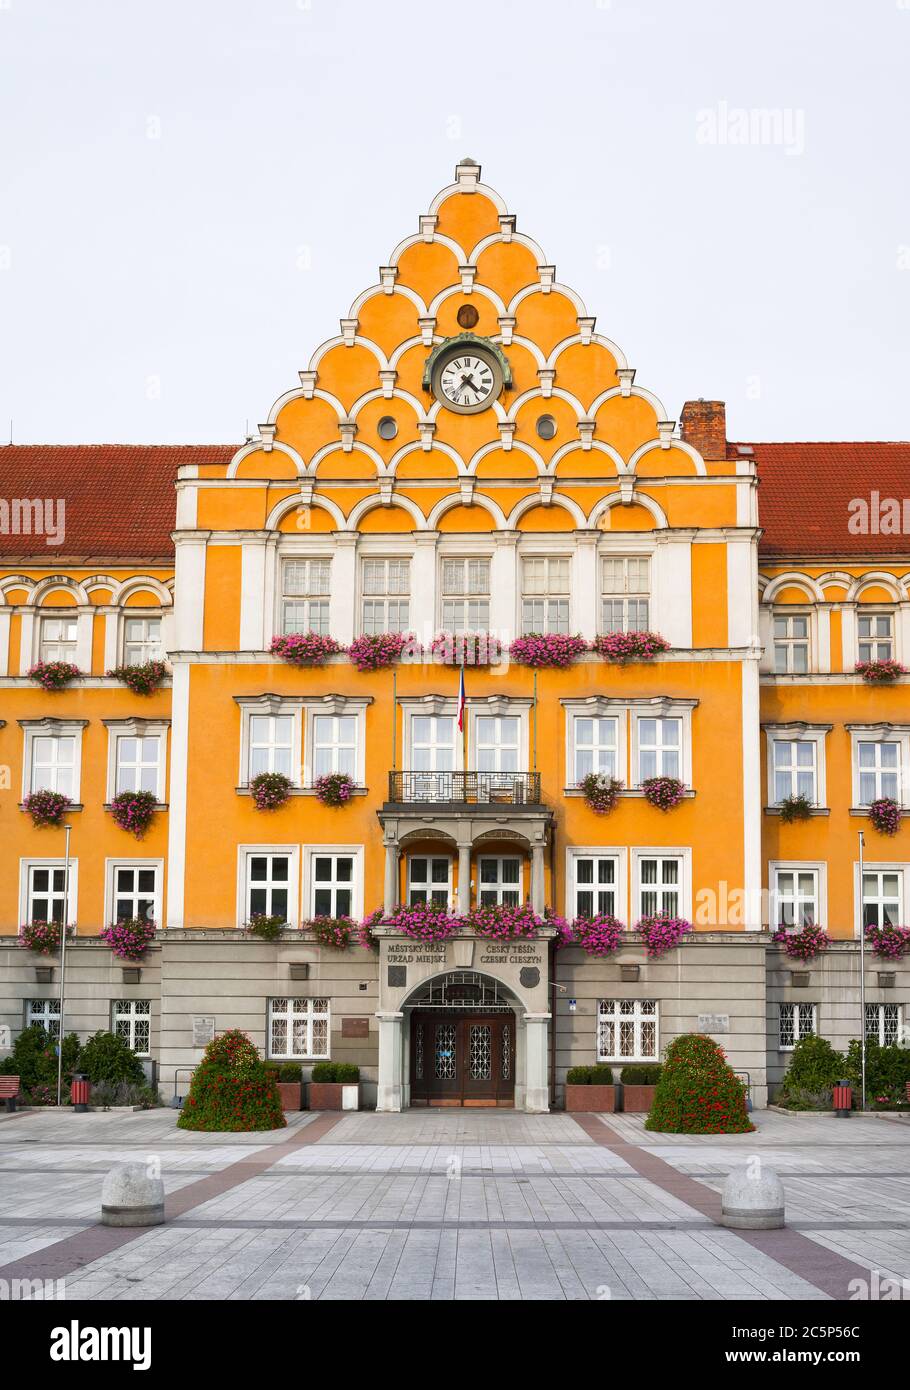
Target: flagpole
862	969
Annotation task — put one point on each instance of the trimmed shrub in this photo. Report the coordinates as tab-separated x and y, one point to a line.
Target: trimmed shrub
598	1075
336	1072
887	1070
814	1067
34	1060
232	1089
698	1092
641	1074
107	1058
290	1071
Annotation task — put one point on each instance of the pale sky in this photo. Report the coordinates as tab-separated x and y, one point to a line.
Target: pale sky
192	192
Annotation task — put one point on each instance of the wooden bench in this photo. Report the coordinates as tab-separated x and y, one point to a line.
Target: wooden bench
9	1090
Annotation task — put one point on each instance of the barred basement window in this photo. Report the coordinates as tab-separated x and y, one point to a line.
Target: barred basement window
627	1030
45	1012
298	1027
132	1021
796	1021
883	1023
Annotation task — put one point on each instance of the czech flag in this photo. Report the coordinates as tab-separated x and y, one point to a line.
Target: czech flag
461	699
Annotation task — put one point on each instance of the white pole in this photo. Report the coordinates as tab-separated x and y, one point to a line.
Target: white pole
66	913
862	969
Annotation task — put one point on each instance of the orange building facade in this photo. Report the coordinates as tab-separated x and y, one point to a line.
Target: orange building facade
468	456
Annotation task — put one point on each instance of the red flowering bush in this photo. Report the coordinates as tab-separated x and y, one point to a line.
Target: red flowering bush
621	647
880	672
663	792
600	792
129	937
304	648
547	649
374	651
334	788
697	1091
804	945
54	675
885	815
888	942
142	680
597	936
662	932
269	790
501	922
41	937
232	1089
423	921
466	649
46	808
134	811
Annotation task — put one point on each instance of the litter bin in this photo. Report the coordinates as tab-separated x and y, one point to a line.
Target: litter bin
79	1092
843	1099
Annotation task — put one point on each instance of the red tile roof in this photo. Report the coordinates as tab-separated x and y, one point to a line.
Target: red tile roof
120	499
805	491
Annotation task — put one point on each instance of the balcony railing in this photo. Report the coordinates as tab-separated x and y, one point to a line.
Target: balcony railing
469	788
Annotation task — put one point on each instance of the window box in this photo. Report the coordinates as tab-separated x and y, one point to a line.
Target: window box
335	1086
590	1089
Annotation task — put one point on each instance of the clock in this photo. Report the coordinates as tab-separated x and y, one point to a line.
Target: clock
467	373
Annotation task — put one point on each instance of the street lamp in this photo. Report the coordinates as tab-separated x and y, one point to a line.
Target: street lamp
66	914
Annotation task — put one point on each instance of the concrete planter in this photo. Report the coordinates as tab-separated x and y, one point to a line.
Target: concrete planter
334	1095
291	1093
600	1099
637	1100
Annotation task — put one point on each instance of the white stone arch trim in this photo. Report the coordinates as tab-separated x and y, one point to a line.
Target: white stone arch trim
537	392
295	394
496	406
409	343
57	581
378	393
421	985
290	504
555	500
615	499
142	581
358	340
645	395
520	237
575	445
532	348
446	193
397	499
438	445
651	444
484	290
335	446
104	581
874	577
611	347
517	445
557	288
838	577
17	581
445	504
404	290
793	579
256	446
418	238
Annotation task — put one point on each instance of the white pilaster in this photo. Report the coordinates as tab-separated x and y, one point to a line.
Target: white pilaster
189	591
177	794
585	587
742	591
504	586
111	639
823	615
388	1090
537	1090
423	586
5	617
343	599
752	793
27	653
848	637
252	595
672	606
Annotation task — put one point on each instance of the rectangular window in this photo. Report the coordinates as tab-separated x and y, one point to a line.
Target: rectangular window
430	879
141	641
333	885
794	769
659	885
58	639
791	643
498	739
298	1028
795	1021
883	1023
879	770
659	748
271	745
386	586
132	1021
876	636
882	897
625	593
46	891
594	885
136	892
334	744
53	764
627	1030
268	884
465	595
796	897
595	746
44	1012
305	593
545	594
500	881
138	764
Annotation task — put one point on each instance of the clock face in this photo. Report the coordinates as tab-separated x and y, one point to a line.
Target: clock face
468	382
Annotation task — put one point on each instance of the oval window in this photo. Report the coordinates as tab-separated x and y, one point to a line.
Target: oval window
546	427
387	427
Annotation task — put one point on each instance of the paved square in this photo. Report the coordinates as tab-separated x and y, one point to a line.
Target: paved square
453	1205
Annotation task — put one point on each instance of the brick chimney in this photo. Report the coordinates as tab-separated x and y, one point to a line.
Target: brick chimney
704	425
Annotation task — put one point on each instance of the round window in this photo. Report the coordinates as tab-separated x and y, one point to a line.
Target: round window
546	427
388	427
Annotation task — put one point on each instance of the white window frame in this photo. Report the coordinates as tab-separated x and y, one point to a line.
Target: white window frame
798	733
311	1014
275	707
136	728
66	614
796	866
110	884
128	1011
876	611
25	896
548	594
684	887
310	597
614	717
625	596
672	709
899	867
386	595
634	1012
881	1009
429	885
881	733
499	708
466	598
796	610
796	1008
52	728
338	706
313	852
620	856
247	852
143	615
48	1015
500	886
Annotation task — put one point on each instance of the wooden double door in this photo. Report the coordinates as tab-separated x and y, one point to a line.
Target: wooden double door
462	1058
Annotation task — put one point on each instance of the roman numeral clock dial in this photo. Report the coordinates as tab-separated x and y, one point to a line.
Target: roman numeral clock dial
467	380
467	376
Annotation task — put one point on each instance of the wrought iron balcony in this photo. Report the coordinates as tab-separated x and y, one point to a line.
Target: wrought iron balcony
466	788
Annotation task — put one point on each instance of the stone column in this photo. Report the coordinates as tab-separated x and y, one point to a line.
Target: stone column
390	886
343	621
504	586
537	879
388	1091
464	878
586	588
537	1090
423	586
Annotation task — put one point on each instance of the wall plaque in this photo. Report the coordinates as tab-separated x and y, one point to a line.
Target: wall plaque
355	1027
398	976
713	1023
203	1030
529	976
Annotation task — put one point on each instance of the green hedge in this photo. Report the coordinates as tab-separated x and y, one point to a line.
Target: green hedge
336	1072
599	1075
698	1092
641	1074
